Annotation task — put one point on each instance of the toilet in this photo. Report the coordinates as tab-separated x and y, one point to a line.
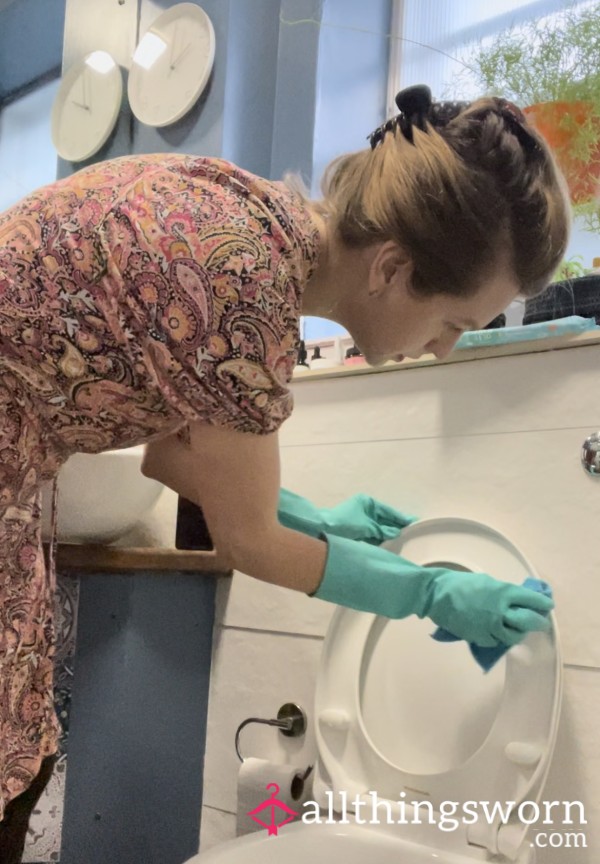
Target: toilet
408	728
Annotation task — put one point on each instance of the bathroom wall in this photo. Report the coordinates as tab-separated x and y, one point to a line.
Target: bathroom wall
31	38
27	157
495	440
252	110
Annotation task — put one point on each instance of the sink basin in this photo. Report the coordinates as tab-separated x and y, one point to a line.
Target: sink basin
100	496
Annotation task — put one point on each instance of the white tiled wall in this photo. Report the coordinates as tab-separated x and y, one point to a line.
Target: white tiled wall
495	440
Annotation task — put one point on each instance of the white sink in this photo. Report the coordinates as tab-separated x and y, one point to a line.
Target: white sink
100	496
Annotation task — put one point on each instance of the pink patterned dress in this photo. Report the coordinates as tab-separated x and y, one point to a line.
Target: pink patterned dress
136	295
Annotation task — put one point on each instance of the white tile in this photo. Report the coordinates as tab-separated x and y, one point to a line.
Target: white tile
216	827
549	390
575	770
246	602
253	675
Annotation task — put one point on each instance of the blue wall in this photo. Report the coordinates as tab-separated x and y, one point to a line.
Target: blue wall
31	38
351	92
27	156
138	718
352	81
259	107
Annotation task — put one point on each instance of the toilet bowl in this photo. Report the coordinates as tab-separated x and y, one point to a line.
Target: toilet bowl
411	734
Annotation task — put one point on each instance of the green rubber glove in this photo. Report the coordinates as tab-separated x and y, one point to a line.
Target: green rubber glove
471	606
359	518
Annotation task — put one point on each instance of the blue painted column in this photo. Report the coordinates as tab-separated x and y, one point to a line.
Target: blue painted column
138	718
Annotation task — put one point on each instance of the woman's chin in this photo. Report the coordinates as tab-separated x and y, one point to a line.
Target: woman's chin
375	360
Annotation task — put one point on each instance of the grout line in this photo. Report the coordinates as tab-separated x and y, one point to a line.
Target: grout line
270	632
342	442
219	809
581	668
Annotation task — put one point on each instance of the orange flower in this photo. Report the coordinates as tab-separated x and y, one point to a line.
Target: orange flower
87	341
148	292
177	322
217	346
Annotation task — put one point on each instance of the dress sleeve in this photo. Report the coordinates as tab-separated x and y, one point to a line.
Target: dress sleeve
214	310
212	294
230	369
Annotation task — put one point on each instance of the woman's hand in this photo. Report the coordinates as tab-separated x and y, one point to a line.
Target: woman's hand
471	606
359	518
364	518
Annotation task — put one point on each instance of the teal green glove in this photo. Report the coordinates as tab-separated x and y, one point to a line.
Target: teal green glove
471	606
358	518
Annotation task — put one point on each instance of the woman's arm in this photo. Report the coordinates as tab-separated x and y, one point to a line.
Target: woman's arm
234	478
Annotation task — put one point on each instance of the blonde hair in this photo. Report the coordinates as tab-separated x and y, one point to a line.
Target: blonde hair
455	199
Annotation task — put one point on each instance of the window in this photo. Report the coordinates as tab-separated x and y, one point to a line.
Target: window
432	39
431	44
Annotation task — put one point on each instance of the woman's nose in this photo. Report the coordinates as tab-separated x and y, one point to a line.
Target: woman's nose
443	346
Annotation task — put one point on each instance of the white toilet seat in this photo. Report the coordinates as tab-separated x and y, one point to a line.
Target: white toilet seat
476	737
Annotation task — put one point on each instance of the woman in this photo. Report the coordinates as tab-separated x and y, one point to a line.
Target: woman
157	298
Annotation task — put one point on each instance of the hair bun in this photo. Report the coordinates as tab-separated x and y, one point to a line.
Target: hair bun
517	123
415	103
509	109
416	108
443	112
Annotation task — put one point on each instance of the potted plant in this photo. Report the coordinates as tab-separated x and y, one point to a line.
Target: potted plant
551	68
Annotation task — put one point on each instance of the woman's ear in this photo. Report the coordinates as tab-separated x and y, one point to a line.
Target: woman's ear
391	267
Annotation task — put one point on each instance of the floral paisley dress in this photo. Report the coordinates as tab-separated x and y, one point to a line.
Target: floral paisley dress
136	295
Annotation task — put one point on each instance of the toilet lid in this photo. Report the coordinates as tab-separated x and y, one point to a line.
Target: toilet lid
415	719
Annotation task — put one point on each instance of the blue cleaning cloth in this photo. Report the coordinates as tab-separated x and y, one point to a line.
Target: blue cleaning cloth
488	657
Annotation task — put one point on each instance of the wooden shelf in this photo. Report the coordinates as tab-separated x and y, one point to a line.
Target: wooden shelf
98	558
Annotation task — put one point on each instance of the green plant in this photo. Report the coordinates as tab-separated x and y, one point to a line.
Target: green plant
551	60
570	268
544	60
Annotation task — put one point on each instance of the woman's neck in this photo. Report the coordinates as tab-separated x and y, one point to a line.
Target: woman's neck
322	296
339	280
